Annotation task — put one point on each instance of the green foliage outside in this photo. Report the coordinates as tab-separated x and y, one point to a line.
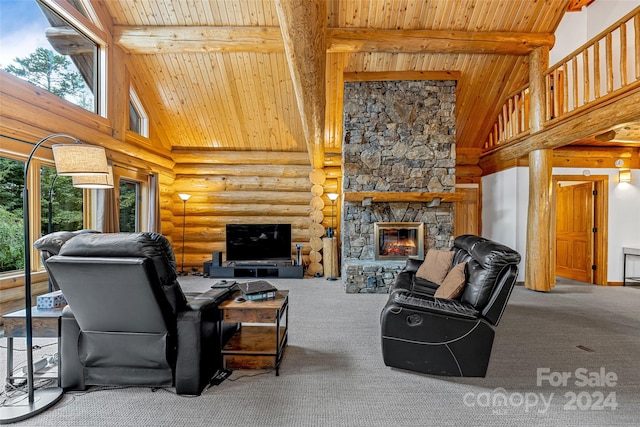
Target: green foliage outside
12	246
11	229
128	206
66	206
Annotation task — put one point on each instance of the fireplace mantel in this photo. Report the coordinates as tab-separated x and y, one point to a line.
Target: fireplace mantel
400	196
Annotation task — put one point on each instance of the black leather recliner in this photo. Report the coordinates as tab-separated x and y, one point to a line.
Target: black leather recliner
449	337
128	321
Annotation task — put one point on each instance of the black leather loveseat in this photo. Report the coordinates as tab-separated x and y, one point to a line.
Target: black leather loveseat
452	337
128	321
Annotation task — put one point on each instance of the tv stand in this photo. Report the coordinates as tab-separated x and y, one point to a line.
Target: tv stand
255	269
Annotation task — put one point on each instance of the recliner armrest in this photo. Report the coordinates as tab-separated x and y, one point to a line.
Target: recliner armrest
412	265
436	305
198	345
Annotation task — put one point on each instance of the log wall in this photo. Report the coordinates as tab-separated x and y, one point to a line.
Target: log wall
273	188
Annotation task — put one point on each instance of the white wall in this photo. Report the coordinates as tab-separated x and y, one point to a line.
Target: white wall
577	28
505	204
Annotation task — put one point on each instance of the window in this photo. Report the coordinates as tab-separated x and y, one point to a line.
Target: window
129	206
11	228
41	47
138	121
61	202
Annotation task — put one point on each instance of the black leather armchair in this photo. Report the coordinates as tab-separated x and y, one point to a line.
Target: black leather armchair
128	321
449	337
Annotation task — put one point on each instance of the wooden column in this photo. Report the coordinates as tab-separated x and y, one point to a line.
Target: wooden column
118	97
304	29
538	262
330	254
316	230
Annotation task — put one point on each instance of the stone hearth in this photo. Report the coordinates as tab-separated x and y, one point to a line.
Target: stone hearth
399	136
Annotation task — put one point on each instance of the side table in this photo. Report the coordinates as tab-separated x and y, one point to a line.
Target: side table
261	344
44	324
629	252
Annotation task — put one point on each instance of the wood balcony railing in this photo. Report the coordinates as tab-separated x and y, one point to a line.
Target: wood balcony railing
604	67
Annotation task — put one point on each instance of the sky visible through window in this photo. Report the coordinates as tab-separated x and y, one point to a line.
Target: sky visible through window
17	18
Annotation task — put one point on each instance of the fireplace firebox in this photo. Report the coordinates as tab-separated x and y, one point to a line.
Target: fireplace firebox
399	240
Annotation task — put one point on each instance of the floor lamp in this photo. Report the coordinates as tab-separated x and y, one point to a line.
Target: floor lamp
333	197
70	159
184	198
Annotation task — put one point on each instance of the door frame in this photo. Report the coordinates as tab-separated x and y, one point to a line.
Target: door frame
600	219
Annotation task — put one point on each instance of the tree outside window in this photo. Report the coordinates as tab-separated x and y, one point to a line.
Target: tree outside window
11	228
61	202
129	207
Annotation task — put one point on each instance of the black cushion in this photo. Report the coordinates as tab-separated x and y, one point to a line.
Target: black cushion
53	242
153	246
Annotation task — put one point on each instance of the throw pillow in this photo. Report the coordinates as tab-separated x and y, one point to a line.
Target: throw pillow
453	284
436	265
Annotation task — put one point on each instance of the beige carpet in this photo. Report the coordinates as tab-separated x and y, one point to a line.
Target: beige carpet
333	374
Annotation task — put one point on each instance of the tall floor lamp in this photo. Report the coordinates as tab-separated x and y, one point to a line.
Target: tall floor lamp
333	197
184	198
71	160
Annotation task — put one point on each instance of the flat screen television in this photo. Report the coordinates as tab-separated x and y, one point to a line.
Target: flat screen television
258	242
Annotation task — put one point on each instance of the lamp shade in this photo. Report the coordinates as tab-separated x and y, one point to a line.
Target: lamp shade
184	196
94	181
80	159
332	196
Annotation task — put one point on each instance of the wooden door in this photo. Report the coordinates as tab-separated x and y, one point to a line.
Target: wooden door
574	232
467	212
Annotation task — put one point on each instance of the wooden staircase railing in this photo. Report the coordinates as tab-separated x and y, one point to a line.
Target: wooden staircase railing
604	67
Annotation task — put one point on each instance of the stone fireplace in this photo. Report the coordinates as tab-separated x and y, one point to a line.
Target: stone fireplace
399	136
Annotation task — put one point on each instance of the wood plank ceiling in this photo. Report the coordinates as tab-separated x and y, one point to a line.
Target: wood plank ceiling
215	72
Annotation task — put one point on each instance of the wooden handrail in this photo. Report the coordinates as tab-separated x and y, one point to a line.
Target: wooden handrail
577	81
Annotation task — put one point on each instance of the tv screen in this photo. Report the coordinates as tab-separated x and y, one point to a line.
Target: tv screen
258	242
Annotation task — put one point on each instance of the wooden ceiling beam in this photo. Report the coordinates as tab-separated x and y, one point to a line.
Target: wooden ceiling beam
352	40
208	39
304	27
198	39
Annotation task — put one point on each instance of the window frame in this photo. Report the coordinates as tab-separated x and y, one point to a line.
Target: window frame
93	30
142	196
143	119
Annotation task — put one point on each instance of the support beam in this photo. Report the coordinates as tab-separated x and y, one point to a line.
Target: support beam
304	27
539	262
199	39
352	40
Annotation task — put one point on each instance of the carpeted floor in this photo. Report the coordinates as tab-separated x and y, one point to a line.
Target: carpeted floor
333	374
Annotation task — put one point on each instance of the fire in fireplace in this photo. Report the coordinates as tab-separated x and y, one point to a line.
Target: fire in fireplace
399	240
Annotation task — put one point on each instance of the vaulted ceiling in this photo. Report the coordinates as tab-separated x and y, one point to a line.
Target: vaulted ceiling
214	74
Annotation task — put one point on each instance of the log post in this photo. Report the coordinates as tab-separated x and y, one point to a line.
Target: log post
304	30
538	261
316	230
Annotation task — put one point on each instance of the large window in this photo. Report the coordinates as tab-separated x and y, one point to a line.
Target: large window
61	202
11	229
42	48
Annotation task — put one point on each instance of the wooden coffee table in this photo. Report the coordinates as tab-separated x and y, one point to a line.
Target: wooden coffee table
262	338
